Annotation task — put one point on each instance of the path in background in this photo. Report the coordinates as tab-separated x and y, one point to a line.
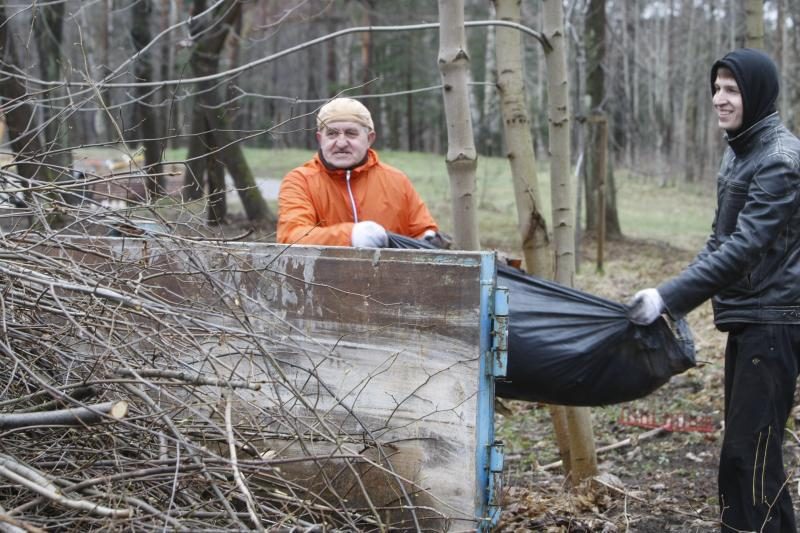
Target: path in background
268	186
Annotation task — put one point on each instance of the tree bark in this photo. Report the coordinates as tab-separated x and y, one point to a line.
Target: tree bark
519	143
193	178
76	416
754	23
205	61
595	47
21	120
583	458
596	60
49	31
462	158
149	124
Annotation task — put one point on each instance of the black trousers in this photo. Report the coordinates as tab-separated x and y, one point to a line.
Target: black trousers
761	366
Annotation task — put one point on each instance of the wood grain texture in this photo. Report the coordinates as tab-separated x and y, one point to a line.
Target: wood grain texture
368	362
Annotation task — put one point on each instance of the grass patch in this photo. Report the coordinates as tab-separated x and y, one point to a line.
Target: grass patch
679	215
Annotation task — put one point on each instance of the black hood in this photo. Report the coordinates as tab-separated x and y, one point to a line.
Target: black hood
757	78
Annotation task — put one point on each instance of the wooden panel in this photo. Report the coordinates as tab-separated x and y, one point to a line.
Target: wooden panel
369	362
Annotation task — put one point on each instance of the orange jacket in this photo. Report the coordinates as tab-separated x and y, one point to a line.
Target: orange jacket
314	204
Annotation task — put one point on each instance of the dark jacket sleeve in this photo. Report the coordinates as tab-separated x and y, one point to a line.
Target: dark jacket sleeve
771	202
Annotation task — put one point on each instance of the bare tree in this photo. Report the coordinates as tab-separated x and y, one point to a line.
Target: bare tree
48	25
462	158
148	122
23	127
754	24
212	132
582	455
595	46
519	143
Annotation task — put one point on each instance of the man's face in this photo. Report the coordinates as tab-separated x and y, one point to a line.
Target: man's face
727	101
344	144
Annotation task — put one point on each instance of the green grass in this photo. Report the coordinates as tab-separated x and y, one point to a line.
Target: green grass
680	215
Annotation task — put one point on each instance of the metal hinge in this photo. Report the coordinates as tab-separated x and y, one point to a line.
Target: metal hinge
495	481
499	364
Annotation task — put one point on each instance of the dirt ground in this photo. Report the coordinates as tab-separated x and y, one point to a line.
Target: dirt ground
661	483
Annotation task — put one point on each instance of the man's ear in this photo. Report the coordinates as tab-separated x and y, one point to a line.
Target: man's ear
319	135
371	137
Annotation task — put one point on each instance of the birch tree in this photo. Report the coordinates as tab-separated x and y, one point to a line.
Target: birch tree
754	24
582	454
519	143
462	158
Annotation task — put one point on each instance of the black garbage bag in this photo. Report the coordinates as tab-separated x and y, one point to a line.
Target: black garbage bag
568	347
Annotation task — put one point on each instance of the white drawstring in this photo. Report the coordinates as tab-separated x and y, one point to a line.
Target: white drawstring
352	200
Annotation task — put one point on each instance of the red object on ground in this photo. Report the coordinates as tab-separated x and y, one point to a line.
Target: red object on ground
671	422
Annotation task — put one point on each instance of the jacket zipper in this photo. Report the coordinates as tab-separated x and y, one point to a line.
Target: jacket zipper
352	200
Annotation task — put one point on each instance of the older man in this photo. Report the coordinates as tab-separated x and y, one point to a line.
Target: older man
345	196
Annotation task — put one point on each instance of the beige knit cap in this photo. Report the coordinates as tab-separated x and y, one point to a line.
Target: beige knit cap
344	110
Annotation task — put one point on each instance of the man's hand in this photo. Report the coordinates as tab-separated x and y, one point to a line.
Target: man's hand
645	307
369	234
438	240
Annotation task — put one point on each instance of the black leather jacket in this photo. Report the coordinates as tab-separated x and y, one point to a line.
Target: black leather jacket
751	262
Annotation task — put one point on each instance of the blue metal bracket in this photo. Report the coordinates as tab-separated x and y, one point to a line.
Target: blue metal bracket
500	333
493	364
495	480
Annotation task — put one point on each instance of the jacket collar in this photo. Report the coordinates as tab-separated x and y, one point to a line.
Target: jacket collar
746	140
369	161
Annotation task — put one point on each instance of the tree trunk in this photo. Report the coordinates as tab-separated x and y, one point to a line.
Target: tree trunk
147	114
583	458
49	31
781	57
205	61
21	117
462	158
193	178
595	45
754	23
217	203
103	126
519	143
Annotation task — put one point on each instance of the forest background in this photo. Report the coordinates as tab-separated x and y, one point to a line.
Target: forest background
165	88
654	60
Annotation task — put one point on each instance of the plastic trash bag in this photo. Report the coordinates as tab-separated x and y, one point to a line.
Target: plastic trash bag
568	347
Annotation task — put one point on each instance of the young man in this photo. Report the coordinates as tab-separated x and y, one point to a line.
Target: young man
345	195
751	267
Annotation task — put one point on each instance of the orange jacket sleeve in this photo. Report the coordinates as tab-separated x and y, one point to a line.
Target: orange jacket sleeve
298	222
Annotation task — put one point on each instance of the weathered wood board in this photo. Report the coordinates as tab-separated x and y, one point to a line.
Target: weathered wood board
369	360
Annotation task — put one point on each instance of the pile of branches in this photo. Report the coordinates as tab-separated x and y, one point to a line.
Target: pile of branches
121	408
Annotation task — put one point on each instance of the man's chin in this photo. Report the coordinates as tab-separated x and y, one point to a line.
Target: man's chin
342	162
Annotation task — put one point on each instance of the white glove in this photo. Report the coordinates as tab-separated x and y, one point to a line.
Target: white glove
645	307
369	234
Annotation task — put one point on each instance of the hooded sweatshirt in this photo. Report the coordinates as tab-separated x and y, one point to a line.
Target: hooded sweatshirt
751	262
319	205
757	78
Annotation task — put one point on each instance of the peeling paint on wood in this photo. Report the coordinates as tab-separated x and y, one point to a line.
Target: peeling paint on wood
369	363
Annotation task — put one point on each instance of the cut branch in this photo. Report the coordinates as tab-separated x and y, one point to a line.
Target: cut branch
186	377
76	416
